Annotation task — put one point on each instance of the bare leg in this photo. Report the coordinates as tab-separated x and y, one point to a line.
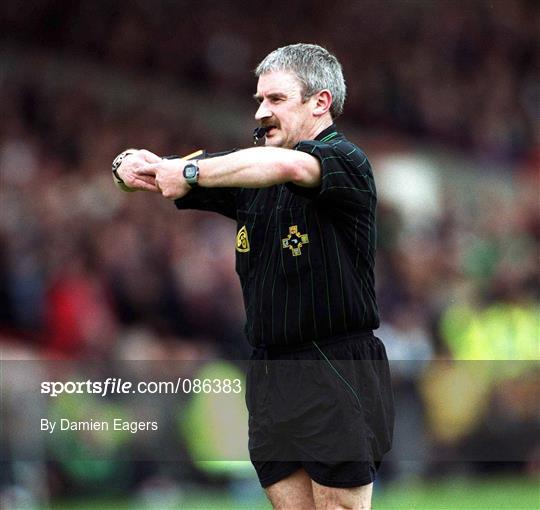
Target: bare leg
332	498
292	493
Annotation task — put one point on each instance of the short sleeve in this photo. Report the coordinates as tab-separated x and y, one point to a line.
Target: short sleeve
219	200
346	176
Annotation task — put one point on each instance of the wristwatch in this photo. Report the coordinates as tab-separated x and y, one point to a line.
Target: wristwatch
191	174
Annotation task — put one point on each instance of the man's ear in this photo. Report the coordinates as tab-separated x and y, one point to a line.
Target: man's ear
323	102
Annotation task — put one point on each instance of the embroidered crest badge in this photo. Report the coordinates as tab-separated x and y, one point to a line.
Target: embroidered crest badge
242	241
294	241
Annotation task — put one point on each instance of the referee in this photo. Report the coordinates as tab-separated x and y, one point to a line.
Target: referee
318	387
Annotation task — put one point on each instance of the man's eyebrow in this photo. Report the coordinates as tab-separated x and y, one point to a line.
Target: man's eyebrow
272	95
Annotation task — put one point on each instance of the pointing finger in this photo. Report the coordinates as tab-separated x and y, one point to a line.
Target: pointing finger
146	169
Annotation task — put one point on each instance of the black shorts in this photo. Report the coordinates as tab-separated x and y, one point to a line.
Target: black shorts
326	407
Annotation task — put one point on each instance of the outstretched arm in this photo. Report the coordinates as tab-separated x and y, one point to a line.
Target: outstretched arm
256	167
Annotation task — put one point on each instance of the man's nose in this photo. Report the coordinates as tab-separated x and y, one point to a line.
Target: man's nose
262	112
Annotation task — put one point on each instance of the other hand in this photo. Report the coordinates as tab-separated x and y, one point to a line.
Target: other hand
134	170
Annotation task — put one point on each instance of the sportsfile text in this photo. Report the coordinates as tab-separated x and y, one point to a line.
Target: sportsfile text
118	386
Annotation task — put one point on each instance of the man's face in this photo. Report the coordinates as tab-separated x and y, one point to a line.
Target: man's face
281	106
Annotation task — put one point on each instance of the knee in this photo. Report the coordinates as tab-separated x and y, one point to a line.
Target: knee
329	498
329	505
344	505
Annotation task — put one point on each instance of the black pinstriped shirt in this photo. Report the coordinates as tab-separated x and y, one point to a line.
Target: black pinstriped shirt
305	256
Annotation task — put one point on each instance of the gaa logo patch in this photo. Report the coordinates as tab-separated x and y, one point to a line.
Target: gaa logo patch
294	241
242	241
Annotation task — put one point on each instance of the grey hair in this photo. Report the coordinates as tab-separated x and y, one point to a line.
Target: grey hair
314	66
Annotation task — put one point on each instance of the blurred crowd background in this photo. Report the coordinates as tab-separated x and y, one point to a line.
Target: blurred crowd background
443	96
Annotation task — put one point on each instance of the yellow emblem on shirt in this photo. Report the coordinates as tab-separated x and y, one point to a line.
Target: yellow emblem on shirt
294	241
242	241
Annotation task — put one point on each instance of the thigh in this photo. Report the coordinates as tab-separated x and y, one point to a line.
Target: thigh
292	493
353	498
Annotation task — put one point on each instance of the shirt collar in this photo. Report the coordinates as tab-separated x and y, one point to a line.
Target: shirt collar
325	132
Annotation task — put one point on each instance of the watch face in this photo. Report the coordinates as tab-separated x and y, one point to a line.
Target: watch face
190	171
